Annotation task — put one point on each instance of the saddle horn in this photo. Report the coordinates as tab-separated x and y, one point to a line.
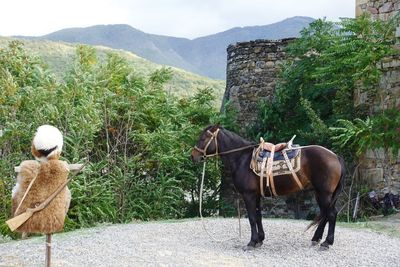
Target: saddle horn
290	143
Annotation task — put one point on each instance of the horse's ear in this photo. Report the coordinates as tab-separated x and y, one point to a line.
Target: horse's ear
215	127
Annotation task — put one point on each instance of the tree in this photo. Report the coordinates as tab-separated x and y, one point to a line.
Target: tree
324	67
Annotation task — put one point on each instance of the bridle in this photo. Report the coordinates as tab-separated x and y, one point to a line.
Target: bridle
214	136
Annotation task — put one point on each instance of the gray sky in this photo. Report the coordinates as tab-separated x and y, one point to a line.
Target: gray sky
180	18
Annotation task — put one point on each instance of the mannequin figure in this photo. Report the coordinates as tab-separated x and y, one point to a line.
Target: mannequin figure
38	179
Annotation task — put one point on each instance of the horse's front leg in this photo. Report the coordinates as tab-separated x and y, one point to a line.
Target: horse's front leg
260	229
250	200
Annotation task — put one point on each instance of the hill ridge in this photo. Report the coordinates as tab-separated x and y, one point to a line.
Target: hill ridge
59	57
204	55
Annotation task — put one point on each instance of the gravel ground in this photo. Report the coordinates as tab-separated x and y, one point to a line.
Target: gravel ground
185	243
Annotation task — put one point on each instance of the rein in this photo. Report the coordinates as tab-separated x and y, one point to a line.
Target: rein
201	213
214	136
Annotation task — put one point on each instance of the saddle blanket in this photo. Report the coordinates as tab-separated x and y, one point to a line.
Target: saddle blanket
291	153
279	166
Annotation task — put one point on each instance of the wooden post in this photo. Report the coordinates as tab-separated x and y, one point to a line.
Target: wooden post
48	250
356	206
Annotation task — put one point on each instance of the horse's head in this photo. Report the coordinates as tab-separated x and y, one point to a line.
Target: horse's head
207	145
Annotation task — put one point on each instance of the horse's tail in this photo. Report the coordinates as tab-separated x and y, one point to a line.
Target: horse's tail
335	195
316	221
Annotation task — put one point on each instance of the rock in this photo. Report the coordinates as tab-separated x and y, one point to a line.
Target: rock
386	8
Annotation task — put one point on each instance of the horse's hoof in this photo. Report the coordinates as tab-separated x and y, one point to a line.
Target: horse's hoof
324	246
248	248
314	243
258	244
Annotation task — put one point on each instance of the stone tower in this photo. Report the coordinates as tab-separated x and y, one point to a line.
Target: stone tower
252	69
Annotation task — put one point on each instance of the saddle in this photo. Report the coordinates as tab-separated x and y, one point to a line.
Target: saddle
271	160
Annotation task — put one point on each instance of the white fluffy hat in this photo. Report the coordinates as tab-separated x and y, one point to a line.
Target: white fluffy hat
48	138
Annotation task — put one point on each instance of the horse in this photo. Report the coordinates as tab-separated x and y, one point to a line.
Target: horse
320	169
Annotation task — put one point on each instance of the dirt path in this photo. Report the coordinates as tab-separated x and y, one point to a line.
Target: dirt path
184	243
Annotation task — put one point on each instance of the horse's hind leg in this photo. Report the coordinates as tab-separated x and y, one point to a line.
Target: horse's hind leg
323	203
320	231
332	214
261	234
250	201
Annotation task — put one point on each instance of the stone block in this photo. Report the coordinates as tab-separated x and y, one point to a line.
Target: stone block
260	64
270	64
383	16
360	2
386	8
372	10
377	153
368	162
359	11
395	63
360	97
373	176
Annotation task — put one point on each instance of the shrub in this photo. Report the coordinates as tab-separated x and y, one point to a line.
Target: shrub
136	137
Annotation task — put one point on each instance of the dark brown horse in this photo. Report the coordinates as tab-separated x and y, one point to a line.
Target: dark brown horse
321	169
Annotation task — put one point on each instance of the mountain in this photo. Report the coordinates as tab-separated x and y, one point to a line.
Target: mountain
60	56
205	55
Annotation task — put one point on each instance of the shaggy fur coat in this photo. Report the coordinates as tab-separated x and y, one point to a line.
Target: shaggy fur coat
50	175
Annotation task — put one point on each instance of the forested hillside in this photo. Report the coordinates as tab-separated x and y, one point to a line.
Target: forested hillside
60	56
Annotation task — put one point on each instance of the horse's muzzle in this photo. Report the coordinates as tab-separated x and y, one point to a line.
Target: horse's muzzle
196	156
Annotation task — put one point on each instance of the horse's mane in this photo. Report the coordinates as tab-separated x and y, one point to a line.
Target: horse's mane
233	136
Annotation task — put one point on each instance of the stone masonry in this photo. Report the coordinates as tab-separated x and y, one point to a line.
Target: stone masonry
252	69
379	169
379	9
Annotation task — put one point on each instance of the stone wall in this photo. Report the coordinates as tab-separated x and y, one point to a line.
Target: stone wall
379	169
252	69
379	9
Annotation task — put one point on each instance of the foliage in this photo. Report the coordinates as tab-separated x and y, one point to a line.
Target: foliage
59	57
227	117
136	137
316	86
380	131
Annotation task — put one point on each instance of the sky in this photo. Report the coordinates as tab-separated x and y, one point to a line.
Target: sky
179	18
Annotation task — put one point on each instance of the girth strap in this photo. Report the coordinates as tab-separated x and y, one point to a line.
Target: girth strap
295	177
267	162
264	161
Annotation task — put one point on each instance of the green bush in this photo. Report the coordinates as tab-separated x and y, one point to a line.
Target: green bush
136	137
